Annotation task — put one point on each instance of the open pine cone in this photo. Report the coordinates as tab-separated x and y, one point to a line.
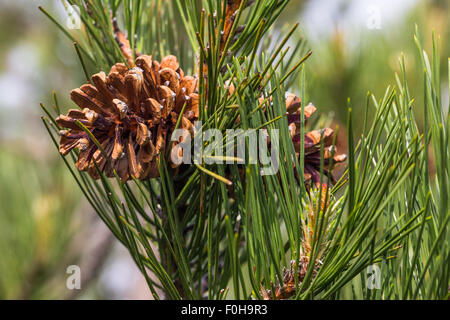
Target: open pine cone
132	113
312	140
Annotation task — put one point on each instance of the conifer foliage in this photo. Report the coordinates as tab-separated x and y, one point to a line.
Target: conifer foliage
224	229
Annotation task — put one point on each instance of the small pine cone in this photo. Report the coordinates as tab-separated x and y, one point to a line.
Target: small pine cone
312	155
312	140
132	113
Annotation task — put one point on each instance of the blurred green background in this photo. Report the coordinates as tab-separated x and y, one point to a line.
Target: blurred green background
46	226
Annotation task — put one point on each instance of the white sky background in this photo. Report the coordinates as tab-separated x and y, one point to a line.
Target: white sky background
322	17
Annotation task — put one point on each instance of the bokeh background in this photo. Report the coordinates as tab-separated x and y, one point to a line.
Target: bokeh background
45	224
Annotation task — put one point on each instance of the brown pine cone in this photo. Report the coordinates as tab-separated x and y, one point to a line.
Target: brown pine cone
312	141
132	113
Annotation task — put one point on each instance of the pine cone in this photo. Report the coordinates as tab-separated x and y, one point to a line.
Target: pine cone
312	141
132	113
